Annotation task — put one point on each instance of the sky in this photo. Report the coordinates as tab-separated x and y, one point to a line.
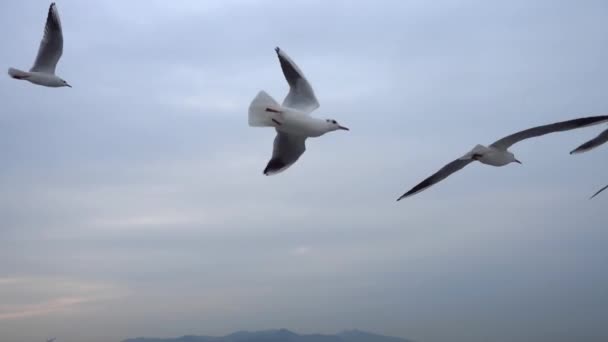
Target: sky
134	203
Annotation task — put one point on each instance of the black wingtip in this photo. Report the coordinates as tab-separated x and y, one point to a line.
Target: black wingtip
277	49
274	165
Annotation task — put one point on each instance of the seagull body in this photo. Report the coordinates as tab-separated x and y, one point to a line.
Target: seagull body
39	78
490	156
49	53
297	123
497	154
291	120
284	119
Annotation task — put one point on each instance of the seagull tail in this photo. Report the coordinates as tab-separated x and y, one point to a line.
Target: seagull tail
264	111
17	74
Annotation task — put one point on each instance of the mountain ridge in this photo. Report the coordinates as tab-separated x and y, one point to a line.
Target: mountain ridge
278	335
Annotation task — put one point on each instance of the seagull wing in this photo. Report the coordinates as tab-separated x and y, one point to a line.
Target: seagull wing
593	143
600	191
438	176
300	96
510	140
51	46
286	151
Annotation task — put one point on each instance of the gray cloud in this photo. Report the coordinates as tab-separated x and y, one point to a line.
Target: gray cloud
141	187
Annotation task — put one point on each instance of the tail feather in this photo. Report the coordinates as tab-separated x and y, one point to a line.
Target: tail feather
17	74
264	111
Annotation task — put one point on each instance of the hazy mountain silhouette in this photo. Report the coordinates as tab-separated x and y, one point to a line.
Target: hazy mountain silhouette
281	335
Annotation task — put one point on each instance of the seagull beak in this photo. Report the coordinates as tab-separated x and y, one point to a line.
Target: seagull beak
343	128
517	161
67	85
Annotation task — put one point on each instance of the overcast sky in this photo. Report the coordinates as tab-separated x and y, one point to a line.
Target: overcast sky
134	203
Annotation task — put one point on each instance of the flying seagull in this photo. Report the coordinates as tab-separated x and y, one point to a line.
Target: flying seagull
292	119
49	52
497	154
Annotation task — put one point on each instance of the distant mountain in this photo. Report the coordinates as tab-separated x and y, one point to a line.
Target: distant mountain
282	335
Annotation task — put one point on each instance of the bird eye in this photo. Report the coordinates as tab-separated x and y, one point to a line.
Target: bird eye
334	121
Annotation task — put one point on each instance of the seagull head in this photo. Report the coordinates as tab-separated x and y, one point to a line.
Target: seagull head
512	158
333	125
64	83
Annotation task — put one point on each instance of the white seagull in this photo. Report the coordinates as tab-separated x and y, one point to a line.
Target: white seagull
292	119
497	154
51	48
588	146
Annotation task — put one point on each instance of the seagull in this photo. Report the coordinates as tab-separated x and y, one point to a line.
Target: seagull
497	154
51	48
51	339
292	119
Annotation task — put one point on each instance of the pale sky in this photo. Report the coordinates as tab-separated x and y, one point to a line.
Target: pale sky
134	203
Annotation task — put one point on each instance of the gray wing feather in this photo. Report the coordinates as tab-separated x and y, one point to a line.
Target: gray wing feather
51	46
600	191
509	140
286	151
300	96
593	143
440	175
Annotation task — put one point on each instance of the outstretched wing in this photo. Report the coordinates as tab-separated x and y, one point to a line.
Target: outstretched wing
509	140
300	96
440	175
286	151
593	143
599	191
51	46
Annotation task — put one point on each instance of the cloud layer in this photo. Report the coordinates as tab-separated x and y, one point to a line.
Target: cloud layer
134	204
